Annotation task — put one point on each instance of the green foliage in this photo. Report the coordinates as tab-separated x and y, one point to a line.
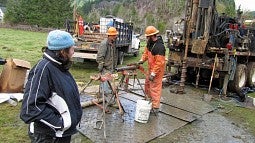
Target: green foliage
79	3
93	16
53	13
252	13
13	13
87	7
47	13
161	25
226	6
3	2
150	20
116	9
141	17
77	6
175	7
249	15
105	12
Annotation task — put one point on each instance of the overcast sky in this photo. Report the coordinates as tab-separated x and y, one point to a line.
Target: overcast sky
246	4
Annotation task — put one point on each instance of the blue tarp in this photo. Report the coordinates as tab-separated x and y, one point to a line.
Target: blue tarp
110	23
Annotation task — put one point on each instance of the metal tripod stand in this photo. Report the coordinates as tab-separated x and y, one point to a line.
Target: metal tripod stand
125	82
113	98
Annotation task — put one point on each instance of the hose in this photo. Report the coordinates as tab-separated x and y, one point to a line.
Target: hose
232	67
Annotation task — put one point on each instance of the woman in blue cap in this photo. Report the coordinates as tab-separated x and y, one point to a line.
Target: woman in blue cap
51	104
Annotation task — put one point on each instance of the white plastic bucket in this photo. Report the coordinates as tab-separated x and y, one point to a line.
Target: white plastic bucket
142	111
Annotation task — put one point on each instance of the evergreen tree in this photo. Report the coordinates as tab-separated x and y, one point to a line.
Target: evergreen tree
53	13
46	13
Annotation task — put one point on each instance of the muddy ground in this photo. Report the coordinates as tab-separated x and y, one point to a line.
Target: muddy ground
210	128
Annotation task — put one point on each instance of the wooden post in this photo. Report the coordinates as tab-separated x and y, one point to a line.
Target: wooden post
91	102
214	65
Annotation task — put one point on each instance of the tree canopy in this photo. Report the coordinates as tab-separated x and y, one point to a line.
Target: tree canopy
46	13
53	13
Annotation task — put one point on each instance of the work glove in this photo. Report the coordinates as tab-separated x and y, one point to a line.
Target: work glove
151	78
100	67
2	61
140	62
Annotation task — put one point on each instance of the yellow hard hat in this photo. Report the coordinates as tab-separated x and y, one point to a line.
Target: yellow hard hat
151	30
112	31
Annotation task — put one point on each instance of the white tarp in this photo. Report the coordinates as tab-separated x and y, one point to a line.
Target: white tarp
12	98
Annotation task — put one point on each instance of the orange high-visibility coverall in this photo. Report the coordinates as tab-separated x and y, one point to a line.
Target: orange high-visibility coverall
155	54
81	28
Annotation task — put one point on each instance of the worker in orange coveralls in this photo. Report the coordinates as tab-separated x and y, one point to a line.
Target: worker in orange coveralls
80	23
155	54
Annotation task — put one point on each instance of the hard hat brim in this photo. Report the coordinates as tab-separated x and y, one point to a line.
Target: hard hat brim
112	34
152	33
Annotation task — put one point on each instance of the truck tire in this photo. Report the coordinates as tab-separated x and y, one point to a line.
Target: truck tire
239	79
137	52
120	57
251	74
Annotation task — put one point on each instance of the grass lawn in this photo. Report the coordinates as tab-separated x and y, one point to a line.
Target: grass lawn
12	129
22	44
251	94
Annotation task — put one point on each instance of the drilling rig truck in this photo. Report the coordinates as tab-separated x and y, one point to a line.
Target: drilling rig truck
210	46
